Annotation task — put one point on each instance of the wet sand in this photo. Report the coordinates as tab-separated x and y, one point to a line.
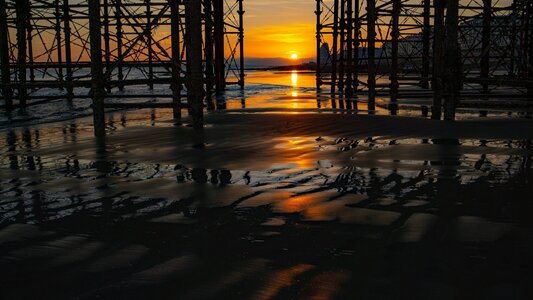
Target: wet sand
279	204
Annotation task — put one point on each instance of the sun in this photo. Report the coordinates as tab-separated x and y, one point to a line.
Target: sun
294	56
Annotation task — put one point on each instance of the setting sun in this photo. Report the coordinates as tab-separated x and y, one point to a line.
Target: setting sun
294	56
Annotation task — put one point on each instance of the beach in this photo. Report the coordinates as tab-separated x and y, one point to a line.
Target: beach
280	201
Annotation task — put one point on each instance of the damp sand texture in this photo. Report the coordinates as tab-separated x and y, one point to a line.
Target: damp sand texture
275	206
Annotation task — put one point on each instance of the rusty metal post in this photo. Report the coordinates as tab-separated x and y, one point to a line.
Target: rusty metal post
334	52
438	58
5	72
371	44
395	34
195	82
176	57
241	44
97	74
453	75
426	42
485	43
220	60
68	49
22	14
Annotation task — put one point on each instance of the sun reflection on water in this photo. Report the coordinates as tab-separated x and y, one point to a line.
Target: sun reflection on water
294	78
297	151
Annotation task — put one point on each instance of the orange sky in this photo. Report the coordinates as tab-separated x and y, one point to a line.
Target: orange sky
280	28
273	29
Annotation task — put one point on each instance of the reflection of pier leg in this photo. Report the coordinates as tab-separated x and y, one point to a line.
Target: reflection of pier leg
11	141
97	86
448	182
26	137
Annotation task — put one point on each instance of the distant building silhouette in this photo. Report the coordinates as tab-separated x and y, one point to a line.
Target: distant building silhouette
325	57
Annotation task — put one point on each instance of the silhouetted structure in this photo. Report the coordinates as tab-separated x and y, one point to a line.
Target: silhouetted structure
412	43
47	52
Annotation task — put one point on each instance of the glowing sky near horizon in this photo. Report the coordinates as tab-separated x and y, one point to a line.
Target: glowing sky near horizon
280	28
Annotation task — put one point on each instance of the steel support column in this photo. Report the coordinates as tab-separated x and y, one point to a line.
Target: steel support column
371	44
5	72
357	29
176	84
485	43
241	44
334	54
220	69
209	54
349	50
59	42
195	83
395	35
438	58
97	74
452	75
426	42
318	13
22	14
68	47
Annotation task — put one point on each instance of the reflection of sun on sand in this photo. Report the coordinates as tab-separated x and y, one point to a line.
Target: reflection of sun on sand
257	141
